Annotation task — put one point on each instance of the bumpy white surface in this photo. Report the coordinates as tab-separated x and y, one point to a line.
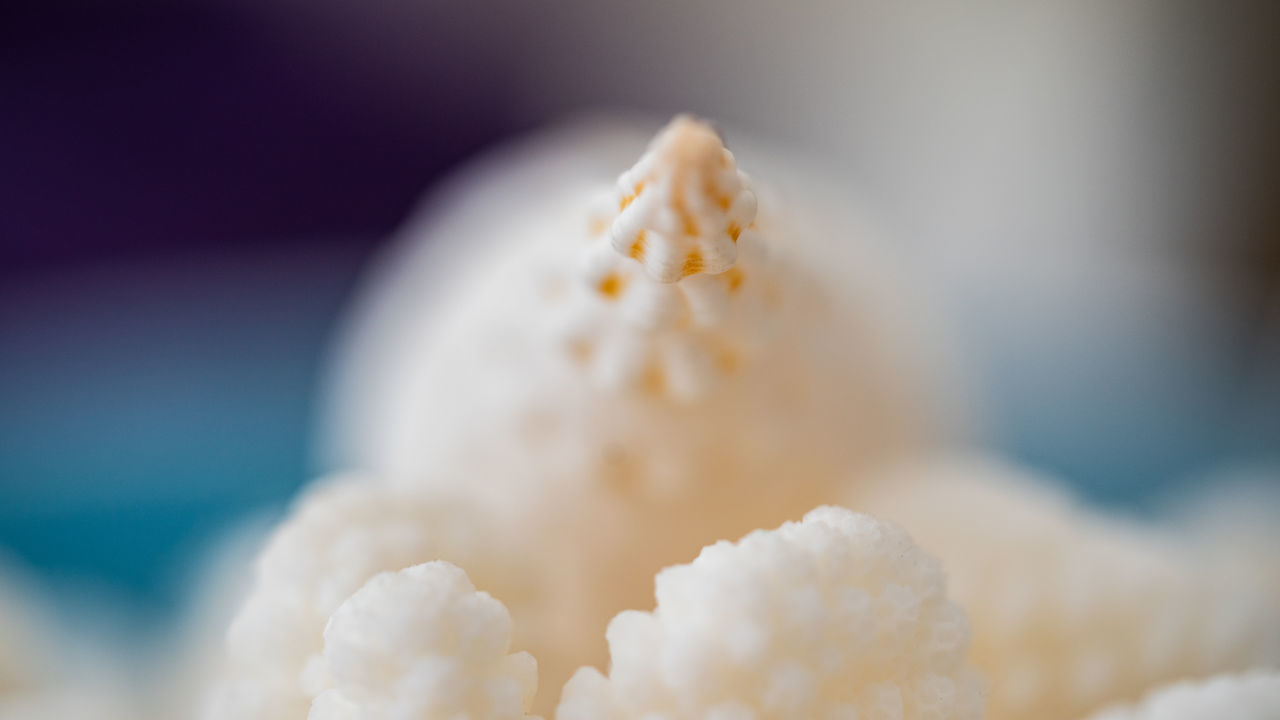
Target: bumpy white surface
683	205
624	415
1071	611
837	616
681	293
422	643
1254	696
341	534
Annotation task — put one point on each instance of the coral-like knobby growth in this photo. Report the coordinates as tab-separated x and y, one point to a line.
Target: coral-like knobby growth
684	206
613	412
423	643
681	295
342	534
837	616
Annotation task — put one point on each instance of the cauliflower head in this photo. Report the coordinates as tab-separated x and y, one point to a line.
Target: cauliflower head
838	616
423	643
341	534
629	378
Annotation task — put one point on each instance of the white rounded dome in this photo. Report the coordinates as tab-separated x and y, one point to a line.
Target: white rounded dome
627	371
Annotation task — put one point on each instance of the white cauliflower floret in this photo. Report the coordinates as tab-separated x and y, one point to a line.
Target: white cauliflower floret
341	535
682	295
684	205
422	643
1071	611
838	616
625	414
1253	696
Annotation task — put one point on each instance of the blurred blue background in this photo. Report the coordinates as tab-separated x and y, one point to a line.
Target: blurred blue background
188	192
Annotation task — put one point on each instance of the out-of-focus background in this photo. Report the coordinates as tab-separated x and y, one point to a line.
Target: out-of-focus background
189	191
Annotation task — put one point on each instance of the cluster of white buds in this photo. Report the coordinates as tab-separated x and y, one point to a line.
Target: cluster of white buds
618	394
677	290
837	616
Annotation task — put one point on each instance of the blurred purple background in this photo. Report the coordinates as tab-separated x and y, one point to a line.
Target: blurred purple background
189	190
187	193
